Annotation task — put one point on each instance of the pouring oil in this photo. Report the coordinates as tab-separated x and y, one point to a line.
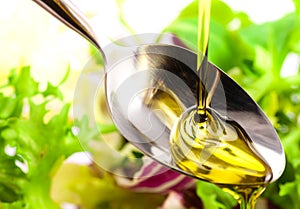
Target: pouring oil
213	148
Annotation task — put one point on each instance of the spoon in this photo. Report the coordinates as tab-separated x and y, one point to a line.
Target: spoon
149	86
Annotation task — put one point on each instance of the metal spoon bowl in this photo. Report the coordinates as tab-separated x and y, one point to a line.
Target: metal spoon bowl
148	87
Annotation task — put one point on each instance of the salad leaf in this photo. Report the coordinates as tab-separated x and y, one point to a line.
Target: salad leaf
275	40
40	141
214	197
291	189
10	192
297	5
23	83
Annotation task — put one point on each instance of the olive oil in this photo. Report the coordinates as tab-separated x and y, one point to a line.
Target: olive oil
217	150
202	50
212	147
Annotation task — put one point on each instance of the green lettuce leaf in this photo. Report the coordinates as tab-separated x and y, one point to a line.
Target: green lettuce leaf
214	197
41	140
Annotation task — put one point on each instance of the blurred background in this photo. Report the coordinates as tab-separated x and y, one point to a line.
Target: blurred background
28	31
256	42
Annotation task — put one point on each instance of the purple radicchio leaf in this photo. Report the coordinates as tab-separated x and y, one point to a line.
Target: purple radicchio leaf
156	178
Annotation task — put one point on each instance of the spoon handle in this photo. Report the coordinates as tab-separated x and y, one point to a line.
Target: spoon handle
71	16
